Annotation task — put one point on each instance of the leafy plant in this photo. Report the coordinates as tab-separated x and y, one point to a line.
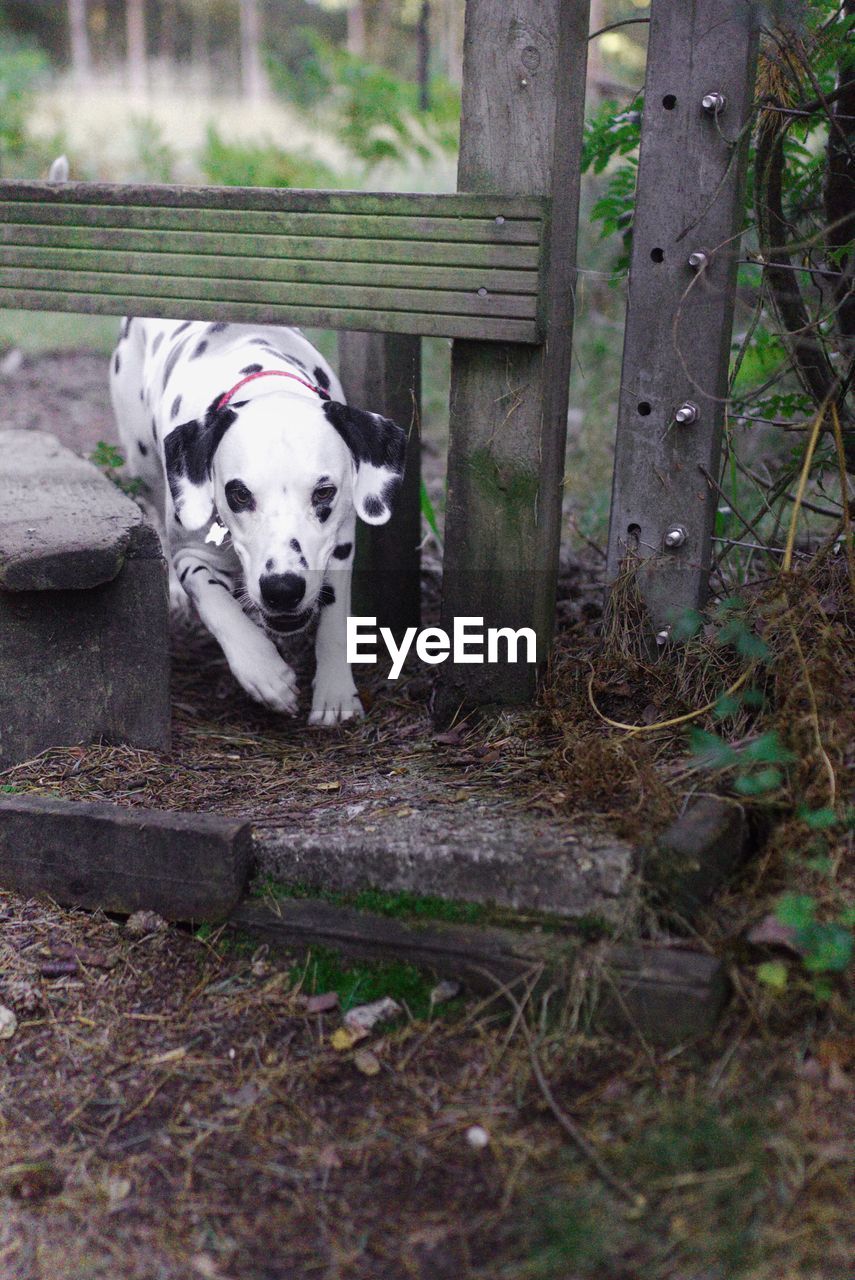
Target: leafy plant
263	165
21	66
111	460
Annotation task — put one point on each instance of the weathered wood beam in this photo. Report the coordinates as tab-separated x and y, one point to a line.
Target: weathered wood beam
685	246
665	995
523	102
185	866
382	373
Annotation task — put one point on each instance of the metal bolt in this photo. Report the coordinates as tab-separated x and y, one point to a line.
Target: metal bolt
714	103
698	260
662	637
500	221
687	414
482	292
676	536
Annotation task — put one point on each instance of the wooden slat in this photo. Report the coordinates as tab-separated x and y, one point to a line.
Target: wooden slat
262	291
384	203
351	226
406	252
235	266
484	328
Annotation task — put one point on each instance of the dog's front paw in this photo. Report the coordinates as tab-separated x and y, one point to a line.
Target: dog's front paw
267	679
334	701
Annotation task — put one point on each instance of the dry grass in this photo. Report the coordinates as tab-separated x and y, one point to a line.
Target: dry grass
170	1109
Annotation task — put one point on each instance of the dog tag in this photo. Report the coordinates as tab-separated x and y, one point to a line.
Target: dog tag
217	533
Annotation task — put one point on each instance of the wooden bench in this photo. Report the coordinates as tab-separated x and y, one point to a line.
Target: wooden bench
456	266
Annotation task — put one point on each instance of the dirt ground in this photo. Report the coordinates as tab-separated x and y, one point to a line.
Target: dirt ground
172	1106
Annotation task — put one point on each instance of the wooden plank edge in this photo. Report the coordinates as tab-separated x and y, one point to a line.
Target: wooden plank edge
665	996
299	200
476	327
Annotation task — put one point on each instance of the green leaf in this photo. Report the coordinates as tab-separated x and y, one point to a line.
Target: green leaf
711	751
767	749
822	989
827	948
686	625
773	973
755	784
818	819
728	705
798	910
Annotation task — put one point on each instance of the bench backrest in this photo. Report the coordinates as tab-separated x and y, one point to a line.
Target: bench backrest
457	266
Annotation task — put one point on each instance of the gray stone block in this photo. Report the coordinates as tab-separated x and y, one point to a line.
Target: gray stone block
84	620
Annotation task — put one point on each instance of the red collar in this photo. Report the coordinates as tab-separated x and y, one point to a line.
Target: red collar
271	373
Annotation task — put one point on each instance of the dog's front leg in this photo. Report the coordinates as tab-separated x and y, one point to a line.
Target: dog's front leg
253	658
334	696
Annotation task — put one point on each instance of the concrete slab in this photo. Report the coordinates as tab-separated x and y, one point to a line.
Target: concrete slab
84	622
465	852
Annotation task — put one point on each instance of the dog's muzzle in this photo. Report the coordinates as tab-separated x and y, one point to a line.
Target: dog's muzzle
287	624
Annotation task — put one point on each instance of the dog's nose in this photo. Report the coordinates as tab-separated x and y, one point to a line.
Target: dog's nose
282	591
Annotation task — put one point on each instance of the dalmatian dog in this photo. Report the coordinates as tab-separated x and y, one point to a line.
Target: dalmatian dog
254	470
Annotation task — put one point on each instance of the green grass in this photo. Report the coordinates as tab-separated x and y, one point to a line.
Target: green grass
704	1173
403	906
360	983
38	331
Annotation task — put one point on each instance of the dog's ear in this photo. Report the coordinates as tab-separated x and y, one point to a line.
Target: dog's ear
188	452
377	446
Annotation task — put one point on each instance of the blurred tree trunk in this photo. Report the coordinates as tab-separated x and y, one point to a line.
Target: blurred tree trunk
252	70
449	33
423	40
356	28
78	40
136	49
168	30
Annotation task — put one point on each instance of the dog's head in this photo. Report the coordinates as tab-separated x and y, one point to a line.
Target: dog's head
286	474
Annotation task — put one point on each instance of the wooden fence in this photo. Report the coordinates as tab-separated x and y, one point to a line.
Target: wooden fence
493	268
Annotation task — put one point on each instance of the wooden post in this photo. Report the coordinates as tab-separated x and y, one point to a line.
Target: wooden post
382	373
523	101
680	313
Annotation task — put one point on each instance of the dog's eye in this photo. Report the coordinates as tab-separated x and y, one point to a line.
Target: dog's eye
238	496
324	493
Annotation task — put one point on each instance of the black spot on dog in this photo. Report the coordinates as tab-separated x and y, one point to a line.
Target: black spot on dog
116	363
200	568
142	395
295	546
390	491
185	324
252	368
184	573
368	436
126	327
143	448
322	378
326	596
342	551
173	358
295	360
154	430
189	449
268	566
176	405
158	338
374	507
323	513
200	350
218	327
